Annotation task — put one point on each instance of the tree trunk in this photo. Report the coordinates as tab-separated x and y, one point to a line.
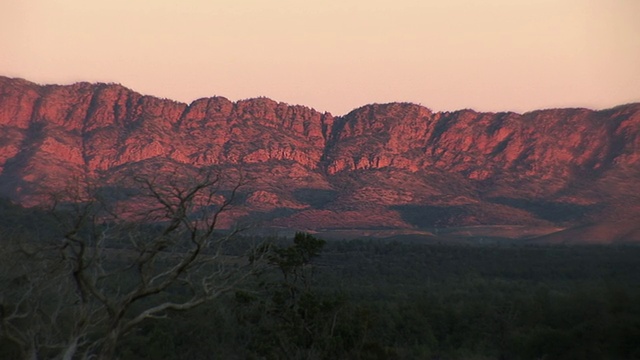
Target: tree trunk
71	349
108	348
32	353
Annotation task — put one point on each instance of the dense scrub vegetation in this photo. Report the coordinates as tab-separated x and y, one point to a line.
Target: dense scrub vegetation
389	300
377	300
373	299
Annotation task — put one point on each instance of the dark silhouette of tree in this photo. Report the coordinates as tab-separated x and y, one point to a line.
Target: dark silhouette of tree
76	291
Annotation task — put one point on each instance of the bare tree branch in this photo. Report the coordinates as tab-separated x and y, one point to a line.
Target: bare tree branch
108	271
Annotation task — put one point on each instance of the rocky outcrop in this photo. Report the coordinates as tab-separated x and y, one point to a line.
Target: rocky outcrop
382	165
543	144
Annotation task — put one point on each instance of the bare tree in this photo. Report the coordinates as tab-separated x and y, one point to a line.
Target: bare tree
76	296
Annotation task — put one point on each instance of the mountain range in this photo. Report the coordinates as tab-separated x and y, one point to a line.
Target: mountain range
397	169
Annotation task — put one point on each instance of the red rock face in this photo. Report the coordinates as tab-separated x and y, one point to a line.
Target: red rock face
381	166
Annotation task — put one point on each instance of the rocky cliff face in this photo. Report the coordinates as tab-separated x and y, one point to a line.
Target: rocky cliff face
392	166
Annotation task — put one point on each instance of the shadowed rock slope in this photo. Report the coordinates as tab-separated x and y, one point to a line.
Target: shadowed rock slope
382	166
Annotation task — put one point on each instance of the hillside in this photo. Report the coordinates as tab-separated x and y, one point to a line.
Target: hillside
398	167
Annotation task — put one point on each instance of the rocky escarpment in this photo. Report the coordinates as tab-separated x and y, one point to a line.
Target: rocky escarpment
384	165
542	144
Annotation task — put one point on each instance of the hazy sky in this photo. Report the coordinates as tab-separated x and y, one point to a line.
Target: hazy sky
335	55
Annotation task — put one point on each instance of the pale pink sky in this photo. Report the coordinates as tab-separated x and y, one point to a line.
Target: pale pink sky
335	55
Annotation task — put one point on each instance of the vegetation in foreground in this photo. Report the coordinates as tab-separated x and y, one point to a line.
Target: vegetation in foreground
377	300
401	300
